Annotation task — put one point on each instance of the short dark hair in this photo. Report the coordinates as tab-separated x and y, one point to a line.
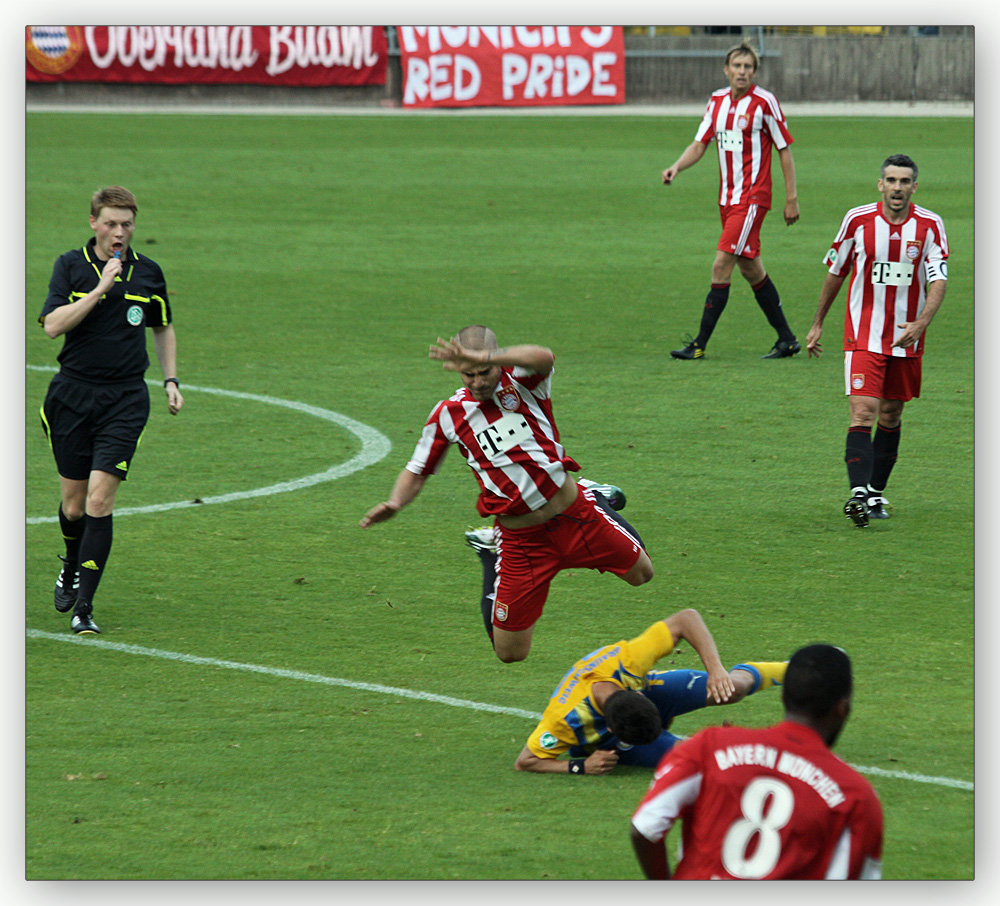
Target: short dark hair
817	677
900	160
632	717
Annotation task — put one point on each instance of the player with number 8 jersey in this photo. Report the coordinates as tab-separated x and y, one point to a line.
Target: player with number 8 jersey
772	803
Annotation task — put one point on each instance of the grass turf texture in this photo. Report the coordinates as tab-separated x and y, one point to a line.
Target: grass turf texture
315	259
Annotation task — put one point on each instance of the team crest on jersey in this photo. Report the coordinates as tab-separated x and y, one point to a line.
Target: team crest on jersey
501	612
741	123
509	400
913	249
857	381
134	315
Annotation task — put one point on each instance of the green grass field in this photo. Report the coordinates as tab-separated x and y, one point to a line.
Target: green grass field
312	261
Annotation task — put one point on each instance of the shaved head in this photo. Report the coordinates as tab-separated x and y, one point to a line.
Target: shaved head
477	337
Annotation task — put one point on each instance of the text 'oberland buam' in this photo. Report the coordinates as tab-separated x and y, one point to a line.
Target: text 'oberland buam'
229	46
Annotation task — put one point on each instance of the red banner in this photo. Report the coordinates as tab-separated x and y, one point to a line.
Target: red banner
512	65
311	55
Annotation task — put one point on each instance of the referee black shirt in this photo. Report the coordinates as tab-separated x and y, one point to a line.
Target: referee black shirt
109	345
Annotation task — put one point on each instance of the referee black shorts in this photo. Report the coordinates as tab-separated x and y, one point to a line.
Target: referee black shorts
94	426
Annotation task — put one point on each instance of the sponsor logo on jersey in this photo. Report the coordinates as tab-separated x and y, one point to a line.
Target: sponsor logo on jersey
548	741
501	612
507	432
509	400
134	315
913	249
892	273
857	381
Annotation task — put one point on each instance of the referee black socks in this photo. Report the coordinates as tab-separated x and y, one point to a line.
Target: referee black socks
72	532
95	548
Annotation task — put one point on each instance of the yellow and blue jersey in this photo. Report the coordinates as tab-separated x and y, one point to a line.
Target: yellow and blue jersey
571	718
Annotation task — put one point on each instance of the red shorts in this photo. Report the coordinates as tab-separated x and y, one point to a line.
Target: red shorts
886	377
741	229
583	536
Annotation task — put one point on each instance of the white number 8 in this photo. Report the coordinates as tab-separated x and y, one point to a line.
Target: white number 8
779	801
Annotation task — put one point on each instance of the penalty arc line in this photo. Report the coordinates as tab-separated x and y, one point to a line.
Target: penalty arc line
375	446
397	691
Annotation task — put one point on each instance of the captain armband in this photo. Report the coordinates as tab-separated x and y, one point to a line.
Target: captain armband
936	270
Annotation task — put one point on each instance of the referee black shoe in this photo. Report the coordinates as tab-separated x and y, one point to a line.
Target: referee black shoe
82	622
67	585
691	351
856	509
783	349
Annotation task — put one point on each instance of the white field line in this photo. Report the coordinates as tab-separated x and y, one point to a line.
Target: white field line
393	690
375	446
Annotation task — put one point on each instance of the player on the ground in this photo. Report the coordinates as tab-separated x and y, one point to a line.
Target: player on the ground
101	297
896	253
502	421
745	121
612	708
772	803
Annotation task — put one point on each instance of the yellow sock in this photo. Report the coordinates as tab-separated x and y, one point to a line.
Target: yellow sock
772	673
767	673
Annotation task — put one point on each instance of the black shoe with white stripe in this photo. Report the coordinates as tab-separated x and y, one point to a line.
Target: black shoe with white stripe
83	621
67	586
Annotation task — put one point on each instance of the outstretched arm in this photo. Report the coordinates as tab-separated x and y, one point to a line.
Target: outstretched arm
455	357
688	625
407	486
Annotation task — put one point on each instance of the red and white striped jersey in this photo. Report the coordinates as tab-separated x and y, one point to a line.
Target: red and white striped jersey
764	804
744	132
892	265
510	441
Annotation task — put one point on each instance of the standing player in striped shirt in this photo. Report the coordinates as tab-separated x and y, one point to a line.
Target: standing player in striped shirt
502	422
745	121
896	253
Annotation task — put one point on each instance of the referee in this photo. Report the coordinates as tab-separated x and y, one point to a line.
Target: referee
101	297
